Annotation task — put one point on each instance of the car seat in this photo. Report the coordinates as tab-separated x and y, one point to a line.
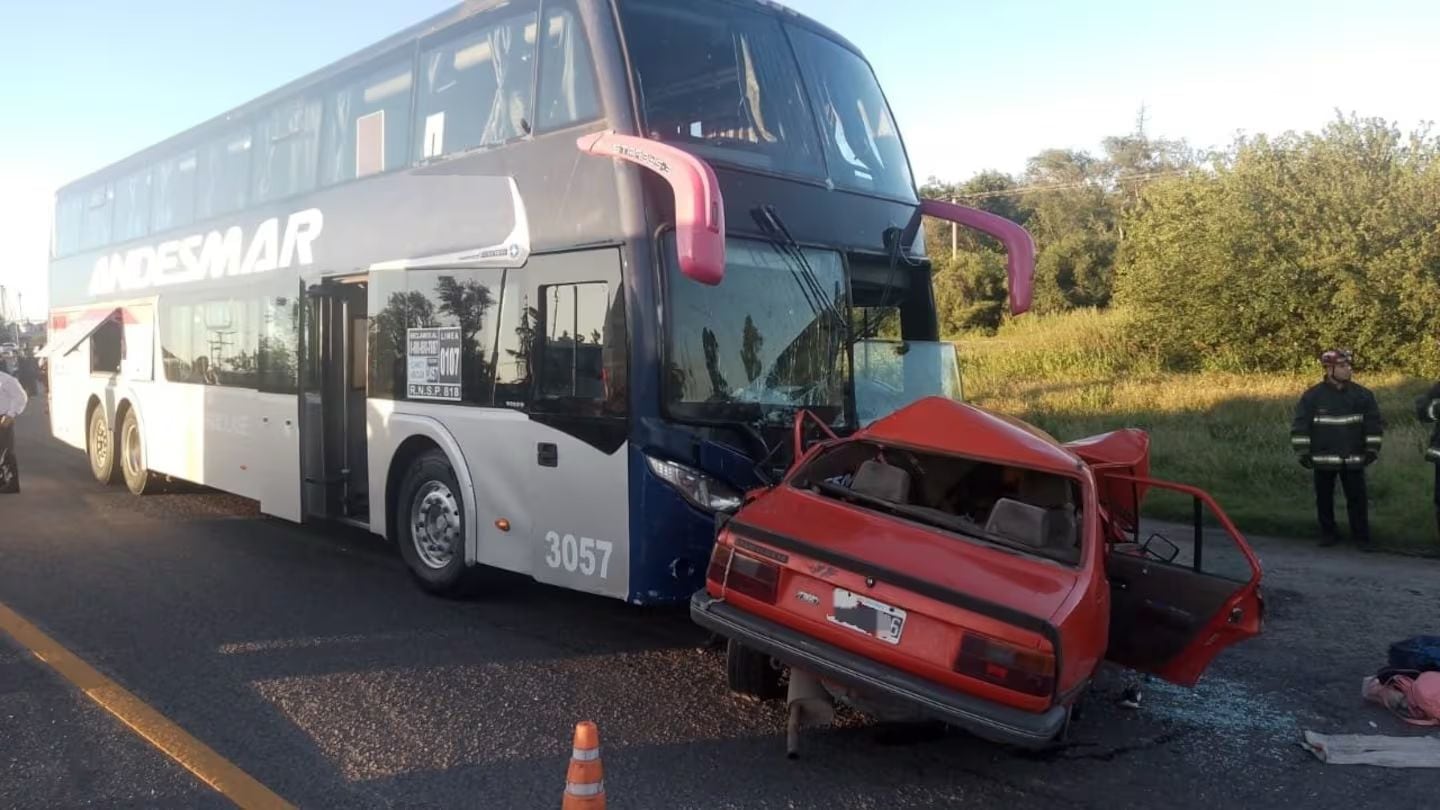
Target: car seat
1043	518
1053	494
883	481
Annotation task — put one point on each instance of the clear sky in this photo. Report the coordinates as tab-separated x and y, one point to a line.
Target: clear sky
975	83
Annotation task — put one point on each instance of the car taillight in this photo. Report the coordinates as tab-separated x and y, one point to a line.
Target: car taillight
1005	664
719	561
744	574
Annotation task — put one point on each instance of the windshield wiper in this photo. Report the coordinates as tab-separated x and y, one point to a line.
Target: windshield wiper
896	239
820	303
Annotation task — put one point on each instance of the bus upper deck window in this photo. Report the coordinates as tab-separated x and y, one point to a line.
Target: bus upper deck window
567	76
475	90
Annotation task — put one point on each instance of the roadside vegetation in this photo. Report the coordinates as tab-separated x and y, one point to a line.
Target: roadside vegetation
1190	293
1076	375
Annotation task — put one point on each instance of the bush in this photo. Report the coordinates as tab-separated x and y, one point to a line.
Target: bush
1288	246
1080	374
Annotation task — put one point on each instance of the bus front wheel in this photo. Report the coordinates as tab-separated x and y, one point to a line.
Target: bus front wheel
431	513
100	444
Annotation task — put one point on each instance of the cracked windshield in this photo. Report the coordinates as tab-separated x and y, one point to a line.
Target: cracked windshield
762	344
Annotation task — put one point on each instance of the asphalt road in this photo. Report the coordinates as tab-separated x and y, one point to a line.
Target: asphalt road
307	659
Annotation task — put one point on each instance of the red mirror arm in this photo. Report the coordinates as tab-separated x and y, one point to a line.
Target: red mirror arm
699	206
1019	247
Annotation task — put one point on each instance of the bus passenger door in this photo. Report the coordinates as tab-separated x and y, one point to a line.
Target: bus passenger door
333	447
276	450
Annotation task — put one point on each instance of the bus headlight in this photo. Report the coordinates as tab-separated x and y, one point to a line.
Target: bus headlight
697	487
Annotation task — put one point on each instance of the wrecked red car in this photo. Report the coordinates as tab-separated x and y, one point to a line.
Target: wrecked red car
966	565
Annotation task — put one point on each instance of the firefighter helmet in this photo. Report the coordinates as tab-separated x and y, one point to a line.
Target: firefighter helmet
1333	357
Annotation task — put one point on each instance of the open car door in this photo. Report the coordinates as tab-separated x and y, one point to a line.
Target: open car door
1179	593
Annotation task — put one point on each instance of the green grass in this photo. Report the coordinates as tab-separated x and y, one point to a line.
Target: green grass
1074	375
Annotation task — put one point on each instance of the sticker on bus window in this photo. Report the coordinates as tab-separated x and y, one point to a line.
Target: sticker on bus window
434	135
432	363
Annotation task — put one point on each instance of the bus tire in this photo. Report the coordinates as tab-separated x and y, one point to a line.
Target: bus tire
752	673
431	516
100	446
132	455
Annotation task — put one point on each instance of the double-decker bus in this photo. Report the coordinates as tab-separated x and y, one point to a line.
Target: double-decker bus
534	284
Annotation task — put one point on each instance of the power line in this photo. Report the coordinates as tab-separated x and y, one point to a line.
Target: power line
984	195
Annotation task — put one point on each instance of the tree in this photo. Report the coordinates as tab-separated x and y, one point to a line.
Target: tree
751	344
468	302
1290	244
719	387
402	311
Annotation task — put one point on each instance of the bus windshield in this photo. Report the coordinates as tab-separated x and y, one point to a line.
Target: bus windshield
891	374
761	345
739	87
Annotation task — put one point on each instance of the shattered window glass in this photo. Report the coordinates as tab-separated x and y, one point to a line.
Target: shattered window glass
475	90
762	344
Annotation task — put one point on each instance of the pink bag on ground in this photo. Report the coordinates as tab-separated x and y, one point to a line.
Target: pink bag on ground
1414	700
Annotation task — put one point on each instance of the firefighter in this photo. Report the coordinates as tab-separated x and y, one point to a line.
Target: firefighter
28	372
1337	433
1427	407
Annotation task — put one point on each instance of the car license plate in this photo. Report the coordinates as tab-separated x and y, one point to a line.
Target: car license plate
868	616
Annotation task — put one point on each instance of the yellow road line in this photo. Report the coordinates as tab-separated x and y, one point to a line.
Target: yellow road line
196	757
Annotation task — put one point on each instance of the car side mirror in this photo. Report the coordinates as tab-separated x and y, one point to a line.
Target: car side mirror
699	206
1160	547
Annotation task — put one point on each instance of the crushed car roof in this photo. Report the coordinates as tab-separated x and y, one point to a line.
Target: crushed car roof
947	426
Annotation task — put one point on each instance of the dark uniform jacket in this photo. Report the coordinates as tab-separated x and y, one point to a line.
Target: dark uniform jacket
1427	409
1337	428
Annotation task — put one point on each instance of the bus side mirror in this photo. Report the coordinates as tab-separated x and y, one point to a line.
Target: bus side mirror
1019	247
699	207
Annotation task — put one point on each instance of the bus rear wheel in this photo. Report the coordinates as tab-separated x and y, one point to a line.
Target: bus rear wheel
431	514
132	455
100	444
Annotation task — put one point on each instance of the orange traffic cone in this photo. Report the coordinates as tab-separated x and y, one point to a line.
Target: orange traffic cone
585	781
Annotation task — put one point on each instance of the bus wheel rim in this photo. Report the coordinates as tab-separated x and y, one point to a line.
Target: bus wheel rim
97	440
435	524
131	447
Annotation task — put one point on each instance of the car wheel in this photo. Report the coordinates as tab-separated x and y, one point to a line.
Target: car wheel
132	455
100	444
431	514
752	673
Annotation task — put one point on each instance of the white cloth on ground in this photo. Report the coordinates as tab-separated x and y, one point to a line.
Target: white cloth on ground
1363	749
12	396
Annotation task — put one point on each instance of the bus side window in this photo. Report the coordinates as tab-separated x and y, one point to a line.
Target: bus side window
475	89
581	348
515	355
567	93
107	348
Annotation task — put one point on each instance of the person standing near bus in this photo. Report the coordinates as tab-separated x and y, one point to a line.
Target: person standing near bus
1427	408
12	403
1336	432
28	372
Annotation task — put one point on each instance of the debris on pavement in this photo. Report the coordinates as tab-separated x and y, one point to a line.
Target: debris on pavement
1419	653
1131	698
1369	749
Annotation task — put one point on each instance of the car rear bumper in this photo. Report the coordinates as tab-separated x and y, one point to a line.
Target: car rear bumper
983	718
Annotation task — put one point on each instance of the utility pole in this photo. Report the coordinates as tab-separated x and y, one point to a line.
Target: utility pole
954	235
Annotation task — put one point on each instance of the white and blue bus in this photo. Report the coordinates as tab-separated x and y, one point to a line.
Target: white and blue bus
534	284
